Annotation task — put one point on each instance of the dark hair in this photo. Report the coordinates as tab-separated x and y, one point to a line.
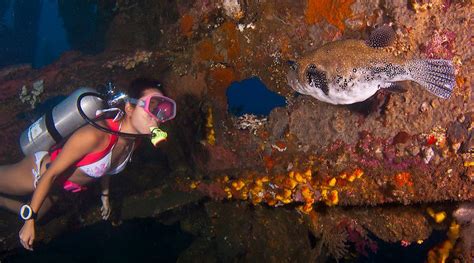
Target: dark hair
139	85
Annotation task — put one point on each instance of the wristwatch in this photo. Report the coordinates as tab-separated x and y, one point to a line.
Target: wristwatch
26	212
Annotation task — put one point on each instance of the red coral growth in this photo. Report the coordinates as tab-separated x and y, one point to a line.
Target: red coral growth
431	140
269	162
441	45
334	11
402	179
186	25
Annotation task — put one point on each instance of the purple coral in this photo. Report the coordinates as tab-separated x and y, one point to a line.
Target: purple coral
441	45
361	242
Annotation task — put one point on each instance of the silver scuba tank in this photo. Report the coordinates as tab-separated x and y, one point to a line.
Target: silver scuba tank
60	122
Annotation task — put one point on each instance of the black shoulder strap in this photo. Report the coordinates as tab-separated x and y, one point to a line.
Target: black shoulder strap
51	127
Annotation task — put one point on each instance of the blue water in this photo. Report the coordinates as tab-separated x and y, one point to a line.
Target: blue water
251	96
51	38
38	32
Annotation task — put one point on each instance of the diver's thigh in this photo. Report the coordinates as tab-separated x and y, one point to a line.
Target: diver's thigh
17	179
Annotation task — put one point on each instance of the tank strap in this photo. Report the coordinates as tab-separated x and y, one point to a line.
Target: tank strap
48	118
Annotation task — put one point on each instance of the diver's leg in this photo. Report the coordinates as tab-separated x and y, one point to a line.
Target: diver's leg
10	204
17	179
15	205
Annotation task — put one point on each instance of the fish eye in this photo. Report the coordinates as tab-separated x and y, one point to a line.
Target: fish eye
293	65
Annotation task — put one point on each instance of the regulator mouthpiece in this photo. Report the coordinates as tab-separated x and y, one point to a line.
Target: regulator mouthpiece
157	135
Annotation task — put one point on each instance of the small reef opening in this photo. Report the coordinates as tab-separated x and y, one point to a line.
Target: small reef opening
251	96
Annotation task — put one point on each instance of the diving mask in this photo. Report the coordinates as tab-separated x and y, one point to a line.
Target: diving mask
161	108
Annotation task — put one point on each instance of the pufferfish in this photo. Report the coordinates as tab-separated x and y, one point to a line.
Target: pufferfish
350	71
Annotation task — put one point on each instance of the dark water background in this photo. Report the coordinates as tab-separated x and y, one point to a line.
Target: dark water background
148	240
37	32
139	240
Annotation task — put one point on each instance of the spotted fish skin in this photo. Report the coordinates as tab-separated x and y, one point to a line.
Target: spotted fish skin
350	71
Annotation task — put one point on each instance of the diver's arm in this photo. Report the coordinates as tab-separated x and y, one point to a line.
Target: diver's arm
104	197
82	142
104	185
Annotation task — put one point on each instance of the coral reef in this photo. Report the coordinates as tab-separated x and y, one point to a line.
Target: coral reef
392	167
441	252
334	12
130	62
32	97
250	122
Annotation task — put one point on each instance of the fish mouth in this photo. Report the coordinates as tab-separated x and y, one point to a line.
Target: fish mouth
293	81
292	75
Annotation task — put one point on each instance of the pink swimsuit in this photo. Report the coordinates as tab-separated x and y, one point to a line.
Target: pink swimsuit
95	164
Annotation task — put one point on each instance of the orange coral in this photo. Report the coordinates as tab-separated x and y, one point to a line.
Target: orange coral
402	179
206	51
219	80
431	140
334	11
222	77
232	40
269	162
237	185
186	25
358	172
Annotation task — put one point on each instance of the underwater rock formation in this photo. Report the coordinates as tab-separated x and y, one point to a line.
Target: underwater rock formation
337	172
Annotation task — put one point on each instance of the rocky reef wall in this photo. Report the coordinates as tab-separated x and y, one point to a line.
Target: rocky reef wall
308	162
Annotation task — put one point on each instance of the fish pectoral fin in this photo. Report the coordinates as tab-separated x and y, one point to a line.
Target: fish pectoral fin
382	36
396	88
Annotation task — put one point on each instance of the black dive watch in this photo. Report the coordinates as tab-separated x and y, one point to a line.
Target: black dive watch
26	213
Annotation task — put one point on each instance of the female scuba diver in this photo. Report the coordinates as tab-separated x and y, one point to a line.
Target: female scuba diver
87	155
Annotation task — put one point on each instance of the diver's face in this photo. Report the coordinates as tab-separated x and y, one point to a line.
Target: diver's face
141	120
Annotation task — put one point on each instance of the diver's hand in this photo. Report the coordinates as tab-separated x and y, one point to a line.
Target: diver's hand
27	234
105	209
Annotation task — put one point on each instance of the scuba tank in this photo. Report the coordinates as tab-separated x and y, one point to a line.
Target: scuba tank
60	122
82	107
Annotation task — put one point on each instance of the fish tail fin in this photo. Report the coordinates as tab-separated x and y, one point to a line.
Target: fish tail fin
435	75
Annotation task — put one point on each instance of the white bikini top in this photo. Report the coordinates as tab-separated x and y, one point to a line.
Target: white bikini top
102	166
